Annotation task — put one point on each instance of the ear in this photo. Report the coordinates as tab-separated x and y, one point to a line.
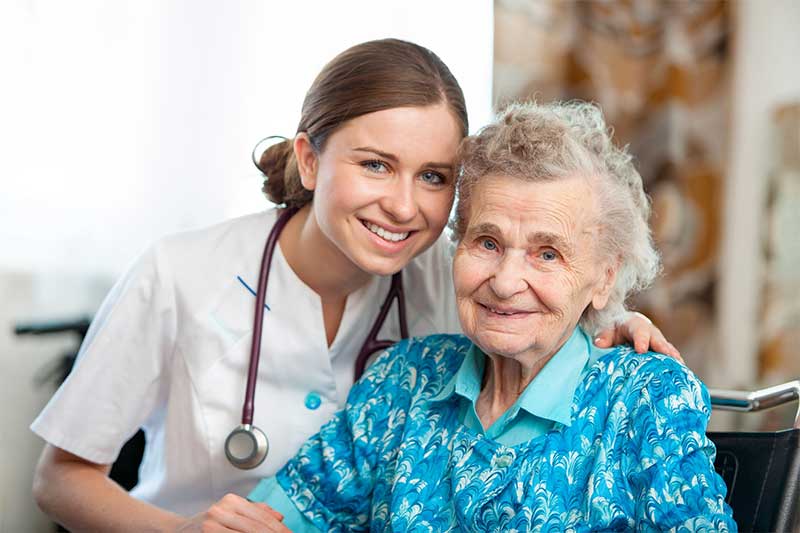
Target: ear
307	161
605	285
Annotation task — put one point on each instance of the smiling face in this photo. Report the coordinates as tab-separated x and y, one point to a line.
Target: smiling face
384	184
527	266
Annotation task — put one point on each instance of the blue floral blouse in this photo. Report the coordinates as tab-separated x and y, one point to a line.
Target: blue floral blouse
398	458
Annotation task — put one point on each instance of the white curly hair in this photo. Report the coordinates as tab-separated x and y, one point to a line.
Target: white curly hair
546	142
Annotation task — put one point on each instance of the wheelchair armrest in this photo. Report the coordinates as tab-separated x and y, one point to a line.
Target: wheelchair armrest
733	400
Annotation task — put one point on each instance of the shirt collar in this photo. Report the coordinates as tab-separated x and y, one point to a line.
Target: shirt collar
470	375
550	393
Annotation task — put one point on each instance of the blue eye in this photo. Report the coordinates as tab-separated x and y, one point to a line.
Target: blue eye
434	178
489	244
549	255
374	166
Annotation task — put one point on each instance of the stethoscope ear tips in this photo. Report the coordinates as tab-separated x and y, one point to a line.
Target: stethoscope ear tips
246	447
262	145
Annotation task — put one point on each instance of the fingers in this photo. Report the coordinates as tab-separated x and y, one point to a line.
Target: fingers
635	330
272	512
624	332
657	341
234	513
641	340
262	513
638	330
605	339
660	344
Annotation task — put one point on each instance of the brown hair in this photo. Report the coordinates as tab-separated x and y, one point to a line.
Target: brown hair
365	78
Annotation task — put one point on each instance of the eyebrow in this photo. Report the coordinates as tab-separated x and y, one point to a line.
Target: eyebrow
485	227
394	159
551	239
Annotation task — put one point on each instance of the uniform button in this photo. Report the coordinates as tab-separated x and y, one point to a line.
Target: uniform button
313	400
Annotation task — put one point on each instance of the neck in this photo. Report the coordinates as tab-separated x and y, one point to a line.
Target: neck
504	380
306	248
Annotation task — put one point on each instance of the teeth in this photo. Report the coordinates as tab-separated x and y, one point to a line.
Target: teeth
384	234
500	312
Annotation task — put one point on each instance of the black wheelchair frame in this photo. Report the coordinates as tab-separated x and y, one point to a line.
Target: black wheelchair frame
760	469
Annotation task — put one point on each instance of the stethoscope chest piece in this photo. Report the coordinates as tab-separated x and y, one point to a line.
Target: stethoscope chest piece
246	447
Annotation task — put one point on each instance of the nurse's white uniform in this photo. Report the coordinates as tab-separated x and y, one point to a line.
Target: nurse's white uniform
169	350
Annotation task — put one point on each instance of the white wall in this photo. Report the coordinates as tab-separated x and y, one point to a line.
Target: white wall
122	121
766	74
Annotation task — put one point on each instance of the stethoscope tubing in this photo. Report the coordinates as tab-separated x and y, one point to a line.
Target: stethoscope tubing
258	319
371	343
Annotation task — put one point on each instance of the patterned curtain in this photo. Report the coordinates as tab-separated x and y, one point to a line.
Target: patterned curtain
659	69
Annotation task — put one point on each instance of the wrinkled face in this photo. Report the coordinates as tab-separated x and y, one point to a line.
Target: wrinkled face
527	267
384	185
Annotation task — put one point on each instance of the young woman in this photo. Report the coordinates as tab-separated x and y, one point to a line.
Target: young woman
368	183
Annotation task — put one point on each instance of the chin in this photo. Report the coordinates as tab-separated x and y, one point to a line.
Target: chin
504	347
382	267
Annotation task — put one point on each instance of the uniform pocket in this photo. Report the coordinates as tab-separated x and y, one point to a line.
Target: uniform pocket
233	313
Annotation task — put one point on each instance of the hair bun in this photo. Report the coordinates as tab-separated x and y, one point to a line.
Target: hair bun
272	164
282	184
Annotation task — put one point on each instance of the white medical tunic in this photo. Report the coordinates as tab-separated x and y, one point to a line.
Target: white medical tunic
168	351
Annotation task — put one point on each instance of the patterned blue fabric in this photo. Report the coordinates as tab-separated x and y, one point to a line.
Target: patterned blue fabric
634	457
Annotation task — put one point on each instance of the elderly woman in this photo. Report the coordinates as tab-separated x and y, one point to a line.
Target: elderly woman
523	424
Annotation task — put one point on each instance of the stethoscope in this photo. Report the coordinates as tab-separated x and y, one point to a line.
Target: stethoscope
247	446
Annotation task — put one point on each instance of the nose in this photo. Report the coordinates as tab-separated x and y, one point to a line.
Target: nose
399	200
509	278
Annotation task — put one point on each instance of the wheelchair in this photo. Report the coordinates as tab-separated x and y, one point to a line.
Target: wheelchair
760	469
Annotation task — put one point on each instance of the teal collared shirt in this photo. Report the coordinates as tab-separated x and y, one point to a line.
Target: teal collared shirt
544	402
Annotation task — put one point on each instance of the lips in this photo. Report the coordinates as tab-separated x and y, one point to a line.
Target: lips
384	233
506	312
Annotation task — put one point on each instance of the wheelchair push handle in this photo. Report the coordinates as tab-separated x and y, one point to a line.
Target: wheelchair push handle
79	326
733	400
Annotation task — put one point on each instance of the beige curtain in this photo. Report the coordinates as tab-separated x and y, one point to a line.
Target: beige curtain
660	70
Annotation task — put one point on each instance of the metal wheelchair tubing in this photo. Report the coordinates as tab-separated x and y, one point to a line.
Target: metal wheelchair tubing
734	400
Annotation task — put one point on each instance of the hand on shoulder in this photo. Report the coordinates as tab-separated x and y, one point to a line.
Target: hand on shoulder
637	330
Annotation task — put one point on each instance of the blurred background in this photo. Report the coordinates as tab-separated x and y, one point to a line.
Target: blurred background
123	121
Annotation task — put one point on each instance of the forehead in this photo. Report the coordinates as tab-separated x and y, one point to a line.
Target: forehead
564	207
429	133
